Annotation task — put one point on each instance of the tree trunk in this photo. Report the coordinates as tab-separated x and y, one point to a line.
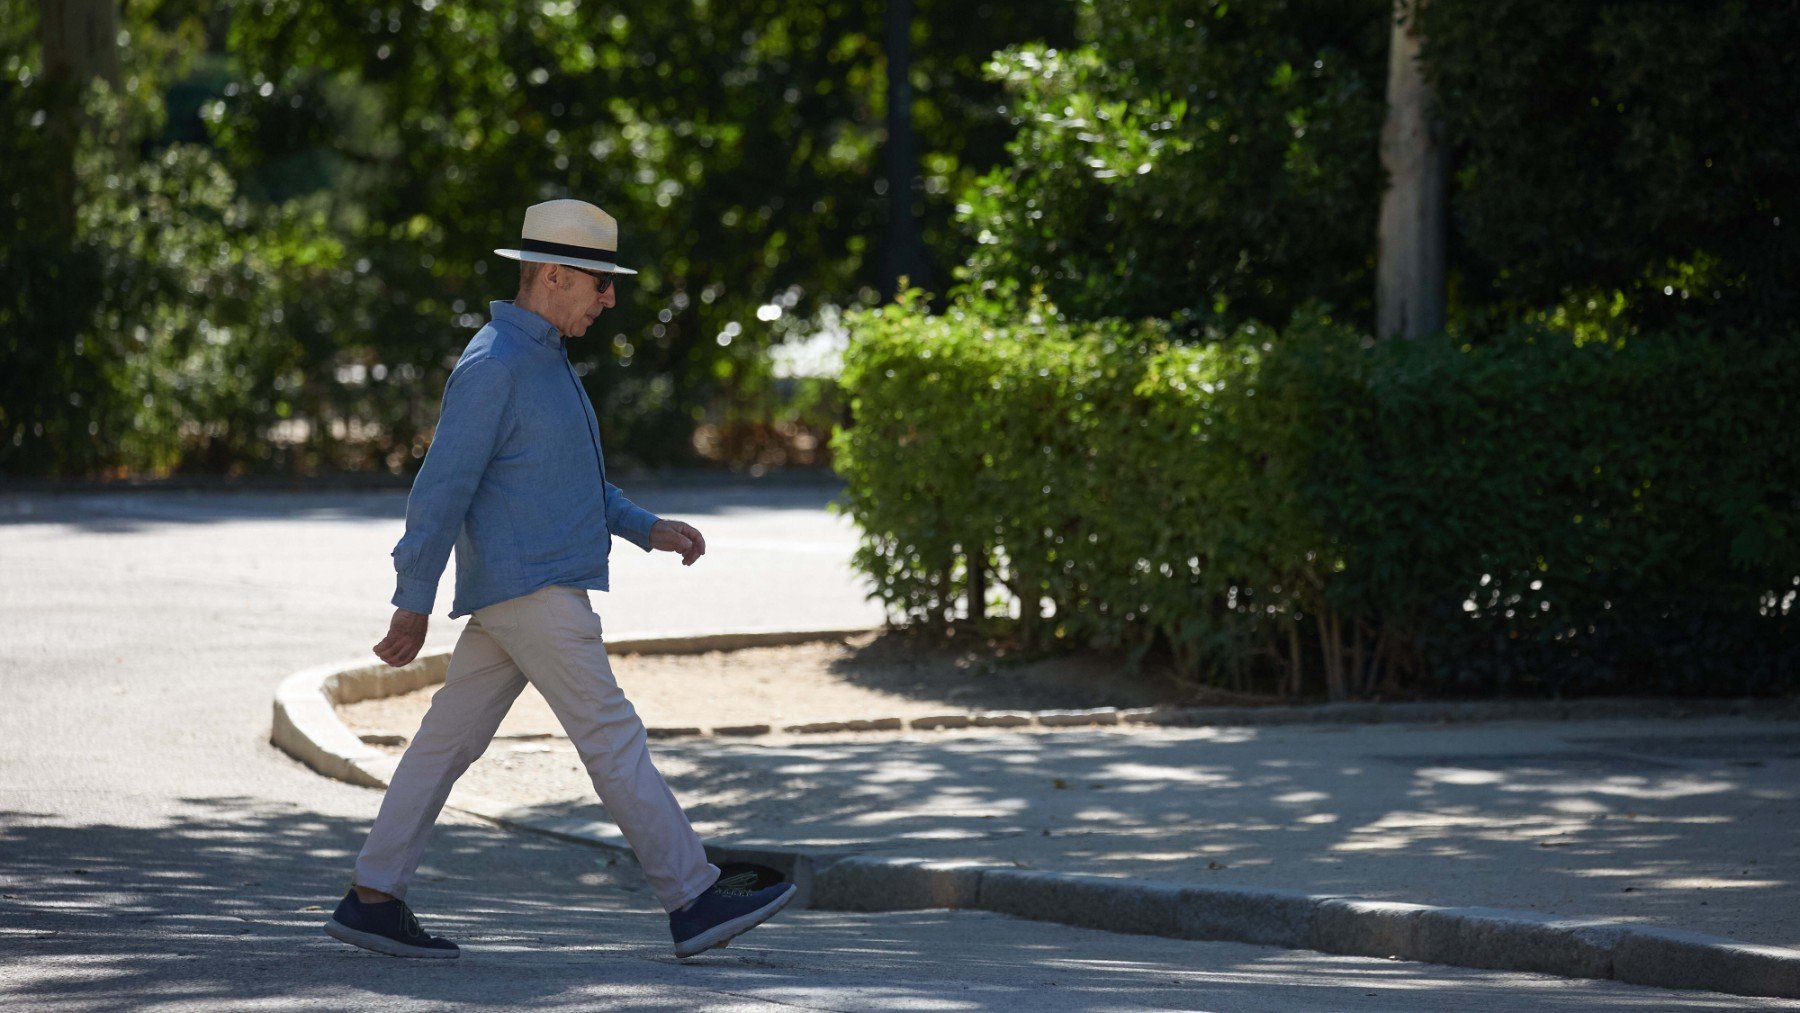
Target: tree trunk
1292	690
1331	646
80	40
904	246
1409	297
977	586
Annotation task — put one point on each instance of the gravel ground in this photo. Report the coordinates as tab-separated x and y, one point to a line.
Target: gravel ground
869	676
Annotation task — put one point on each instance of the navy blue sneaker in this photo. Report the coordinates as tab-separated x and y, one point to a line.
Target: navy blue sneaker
723	912
386	927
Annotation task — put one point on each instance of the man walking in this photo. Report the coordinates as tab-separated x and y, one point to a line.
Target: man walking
516	480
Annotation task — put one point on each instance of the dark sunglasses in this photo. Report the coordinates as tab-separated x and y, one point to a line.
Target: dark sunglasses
603	281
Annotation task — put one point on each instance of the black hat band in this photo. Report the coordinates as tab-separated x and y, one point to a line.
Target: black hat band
566	250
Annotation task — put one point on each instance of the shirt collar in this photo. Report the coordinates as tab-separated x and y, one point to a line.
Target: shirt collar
526	322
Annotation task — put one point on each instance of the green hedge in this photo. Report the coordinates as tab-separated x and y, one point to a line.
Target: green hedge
1313	512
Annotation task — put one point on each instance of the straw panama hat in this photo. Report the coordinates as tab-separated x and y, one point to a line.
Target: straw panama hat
571	232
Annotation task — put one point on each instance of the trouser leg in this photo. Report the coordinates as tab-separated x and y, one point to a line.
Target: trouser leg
556	639
478	689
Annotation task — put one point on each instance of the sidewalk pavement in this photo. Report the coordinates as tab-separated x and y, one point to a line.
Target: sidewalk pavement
1688	825
1650	842
1651	845
216	906
159	853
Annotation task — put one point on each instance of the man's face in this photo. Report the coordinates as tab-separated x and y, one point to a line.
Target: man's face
578	297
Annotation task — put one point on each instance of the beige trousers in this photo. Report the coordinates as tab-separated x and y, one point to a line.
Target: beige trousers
551	638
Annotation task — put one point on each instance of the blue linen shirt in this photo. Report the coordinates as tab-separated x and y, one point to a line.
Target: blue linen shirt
515	477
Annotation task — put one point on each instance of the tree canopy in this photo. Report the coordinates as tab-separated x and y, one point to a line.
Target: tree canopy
363	163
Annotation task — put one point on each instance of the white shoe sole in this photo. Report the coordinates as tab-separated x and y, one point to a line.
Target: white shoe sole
382	944
722	933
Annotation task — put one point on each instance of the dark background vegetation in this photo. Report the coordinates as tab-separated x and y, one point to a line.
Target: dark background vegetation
1192	444
287	214
1146	235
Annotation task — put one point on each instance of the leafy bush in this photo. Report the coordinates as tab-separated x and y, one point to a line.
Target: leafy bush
738	145
1536	514
1530	515
1120	485
1613	149
172	324
286	228
1631	162
1207	158
177	326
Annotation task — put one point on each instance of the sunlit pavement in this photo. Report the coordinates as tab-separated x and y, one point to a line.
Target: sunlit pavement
155	851
1687	825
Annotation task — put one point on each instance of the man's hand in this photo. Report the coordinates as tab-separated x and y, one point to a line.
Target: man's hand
406	634
678	536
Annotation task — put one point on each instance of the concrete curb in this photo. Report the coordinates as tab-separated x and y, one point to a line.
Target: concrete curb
1490	938
306	727
1466	937
1460	712
1242	717
1339	713
362	681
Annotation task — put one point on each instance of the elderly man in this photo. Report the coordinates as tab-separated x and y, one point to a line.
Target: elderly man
517	481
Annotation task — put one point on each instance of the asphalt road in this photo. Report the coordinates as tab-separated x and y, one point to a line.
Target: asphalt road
156	852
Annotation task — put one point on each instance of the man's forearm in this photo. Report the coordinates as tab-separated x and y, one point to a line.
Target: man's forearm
628	520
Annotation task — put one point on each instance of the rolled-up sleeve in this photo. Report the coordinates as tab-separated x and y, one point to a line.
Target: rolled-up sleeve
477	412
628	520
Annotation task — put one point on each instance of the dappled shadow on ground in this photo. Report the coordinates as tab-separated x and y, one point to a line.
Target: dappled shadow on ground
224	902
1578	828
219	907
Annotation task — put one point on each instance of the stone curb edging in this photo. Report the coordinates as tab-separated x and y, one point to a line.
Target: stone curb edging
1466	937
355	681
1331	713
306	727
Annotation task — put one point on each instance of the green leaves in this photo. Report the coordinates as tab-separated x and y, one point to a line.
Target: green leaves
1175	164
1079	481
1611	149
1531	515
394	147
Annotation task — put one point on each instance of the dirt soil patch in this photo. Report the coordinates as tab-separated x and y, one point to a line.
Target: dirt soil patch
873	675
